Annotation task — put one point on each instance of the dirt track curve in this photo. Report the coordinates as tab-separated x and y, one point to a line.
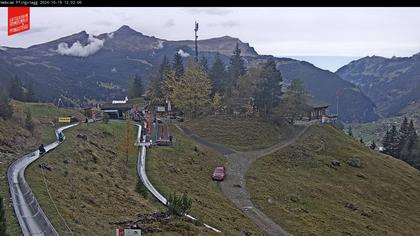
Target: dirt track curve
234	185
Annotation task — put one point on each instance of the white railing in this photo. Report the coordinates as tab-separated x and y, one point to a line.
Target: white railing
141	171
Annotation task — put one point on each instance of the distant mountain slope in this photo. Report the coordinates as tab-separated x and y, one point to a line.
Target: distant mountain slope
223	45
392	84
82	66
352	104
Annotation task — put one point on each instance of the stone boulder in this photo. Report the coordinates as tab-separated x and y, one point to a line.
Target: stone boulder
355	162
82	136
351	206
335	163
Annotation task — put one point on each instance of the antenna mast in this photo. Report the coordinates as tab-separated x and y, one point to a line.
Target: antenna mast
196	48
60	101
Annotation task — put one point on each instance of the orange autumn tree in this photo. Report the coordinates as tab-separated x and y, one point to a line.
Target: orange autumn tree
126	144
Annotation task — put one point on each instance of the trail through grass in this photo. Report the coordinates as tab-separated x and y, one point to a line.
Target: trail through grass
181	169
300	190
240	134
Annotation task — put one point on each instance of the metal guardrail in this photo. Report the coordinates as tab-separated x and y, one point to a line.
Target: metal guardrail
30	215
141	172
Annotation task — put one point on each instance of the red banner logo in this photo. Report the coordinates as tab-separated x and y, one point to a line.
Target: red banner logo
18	20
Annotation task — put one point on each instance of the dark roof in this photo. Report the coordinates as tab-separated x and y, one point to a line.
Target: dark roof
119	98
315	103
109	106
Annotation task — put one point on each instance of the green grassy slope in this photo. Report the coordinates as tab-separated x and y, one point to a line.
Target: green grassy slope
239	134
43	114
91	184
298	189
16	140
180	168
13	134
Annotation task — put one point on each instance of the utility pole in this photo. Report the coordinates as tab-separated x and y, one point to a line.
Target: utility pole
338	95
60	101
196	48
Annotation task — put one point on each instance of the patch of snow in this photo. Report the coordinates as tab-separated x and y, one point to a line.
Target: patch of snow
159	45
139	60
20	64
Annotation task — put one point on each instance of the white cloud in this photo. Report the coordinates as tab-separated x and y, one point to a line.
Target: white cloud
169	23
114	70
183	54
78	50
111	35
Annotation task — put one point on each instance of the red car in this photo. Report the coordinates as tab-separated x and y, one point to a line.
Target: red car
219	173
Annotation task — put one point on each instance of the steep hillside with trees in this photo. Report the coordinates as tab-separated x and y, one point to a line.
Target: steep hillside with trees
196	92
392	83
54	70
350	101
403	143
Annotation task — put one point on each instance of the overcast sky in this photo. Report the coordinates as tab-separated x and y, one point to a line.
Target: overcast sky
294	32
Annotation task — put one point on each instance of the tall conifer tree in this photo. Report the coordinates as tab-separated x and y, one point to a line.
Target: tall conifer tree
218	76
178	65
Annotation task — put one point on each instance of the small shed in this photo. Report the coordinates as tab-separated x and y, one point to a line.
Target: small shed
318	108
116	110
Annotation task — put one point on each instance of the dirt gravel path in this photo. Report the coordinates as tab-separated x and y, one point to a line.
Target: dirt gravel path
234	185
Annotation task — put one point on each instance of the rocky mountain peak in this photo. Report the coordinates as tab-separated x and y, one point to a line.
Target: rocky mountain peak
126	30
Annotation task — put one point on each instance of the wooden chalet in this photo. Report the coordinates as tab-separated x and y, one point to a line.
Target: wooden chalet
317	108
